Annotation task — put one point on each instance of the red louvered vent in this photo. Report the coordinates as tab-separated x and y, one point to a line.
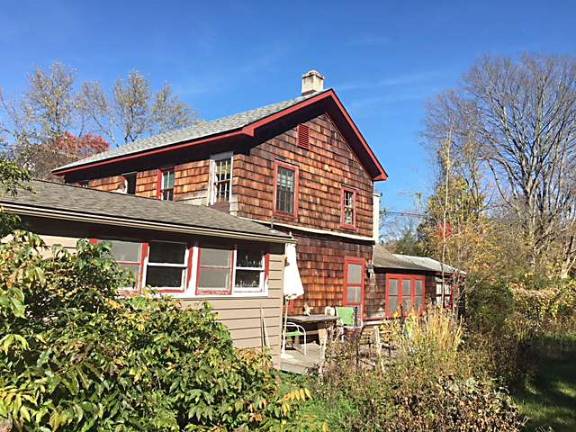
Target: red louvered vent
303	136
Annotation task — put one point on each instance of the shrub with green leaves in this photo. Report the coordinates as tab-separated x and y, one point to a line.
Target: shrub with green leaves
75	357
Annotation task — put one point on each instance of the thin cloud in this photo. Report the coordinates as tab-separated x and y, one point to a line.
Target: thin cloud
400	80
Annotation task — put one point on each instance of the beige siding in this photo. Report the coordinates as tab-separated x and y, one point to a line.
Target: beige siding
242	315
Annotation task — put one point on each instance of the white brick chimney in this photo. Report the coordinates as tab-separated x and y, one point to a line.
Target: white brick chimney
312	82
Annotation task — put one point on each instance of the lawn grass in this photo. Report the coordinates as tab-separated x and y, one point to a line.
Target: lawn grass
548	397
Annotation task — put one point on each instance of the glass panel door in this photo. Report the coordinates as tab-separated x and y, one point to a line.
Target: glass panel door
354	269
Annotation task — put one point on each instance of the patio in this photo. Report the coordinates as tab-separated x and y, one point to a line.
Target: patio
293	360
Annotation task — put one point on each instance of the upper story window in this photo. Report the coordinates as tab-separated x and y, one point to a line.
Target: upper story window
222	178
303	136
167	264
167	185
286	188
348	217
130	183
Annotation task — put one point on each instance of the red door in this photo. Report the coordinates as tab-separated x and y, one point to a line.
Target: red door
354	270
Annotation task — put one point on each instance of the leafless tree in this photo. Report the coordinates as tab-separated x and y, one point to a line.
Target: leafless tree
516	120
33	127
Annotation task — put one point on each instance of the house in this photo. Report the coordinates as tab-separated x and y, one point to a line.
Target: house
194	253
407	283
301	167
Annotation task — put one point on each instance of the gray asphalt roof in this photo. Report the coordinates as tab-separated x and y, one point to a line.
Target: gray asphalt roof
201	129
386	259
50	196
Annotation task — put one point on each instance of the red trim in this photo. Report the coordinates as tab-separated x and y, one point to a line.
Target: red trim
303	136
165	149
362	262
160	182
401	278
250	131
266	266
296	170
343	224
199	272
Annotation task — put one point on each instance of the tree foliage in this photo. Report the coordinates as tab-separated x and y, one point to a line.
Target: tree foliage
56	109
75	357
12	178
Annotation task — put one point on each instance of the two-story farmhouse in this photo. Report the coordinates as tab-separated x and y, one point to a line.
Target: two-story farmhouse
300	166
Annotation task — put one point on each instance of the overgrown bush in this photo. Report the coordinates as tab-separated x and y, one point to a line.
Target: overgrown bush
508	321
74	357
431	384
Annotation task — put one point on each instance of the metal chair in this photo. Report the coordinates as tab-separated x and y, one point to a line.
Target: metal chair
297	331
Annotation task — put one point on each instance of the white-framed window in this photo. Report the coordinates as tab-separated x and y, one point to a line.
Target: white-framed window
221	178
214	271
128	255
348	217
249	271
167	185
223	272
167	264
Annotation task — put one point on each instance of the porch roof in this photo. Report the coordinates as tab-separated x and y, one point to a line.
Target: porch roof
73	203
383	258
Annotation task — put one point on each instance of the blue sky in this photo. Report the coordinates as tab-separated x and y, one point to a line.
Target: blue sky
385	58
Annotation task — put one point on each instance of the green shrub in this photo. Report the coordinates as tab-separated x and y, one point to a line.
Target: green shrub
76	358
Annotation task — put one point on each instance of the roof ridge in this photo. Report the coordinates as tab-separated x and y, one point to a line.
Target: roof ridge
183	134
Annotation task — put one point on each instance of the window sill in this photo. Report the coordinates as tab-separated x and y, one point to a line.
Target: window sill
292	216
192	296
349	227
187	295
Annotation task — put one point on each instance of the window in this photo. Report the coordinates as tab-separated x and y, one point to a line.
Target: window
419	294
226	271
303	136
167	185
214	271
405	293
128	255
392	297
130	183
222	189
167	263
348	208
286	188
249	271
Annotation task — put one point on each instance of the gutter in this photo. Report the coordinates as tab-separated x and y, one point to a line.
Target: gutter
312	230
23	210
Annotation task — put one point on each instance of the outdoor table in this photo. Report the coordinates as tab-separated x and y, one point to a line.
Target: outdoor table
321	323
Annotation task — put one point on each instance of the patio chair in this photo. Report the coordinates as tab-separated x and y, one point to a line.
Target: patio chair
346	317
293	330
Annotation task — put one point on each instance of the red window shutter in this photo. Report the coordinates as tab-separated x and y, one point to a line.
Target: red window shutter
303	136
